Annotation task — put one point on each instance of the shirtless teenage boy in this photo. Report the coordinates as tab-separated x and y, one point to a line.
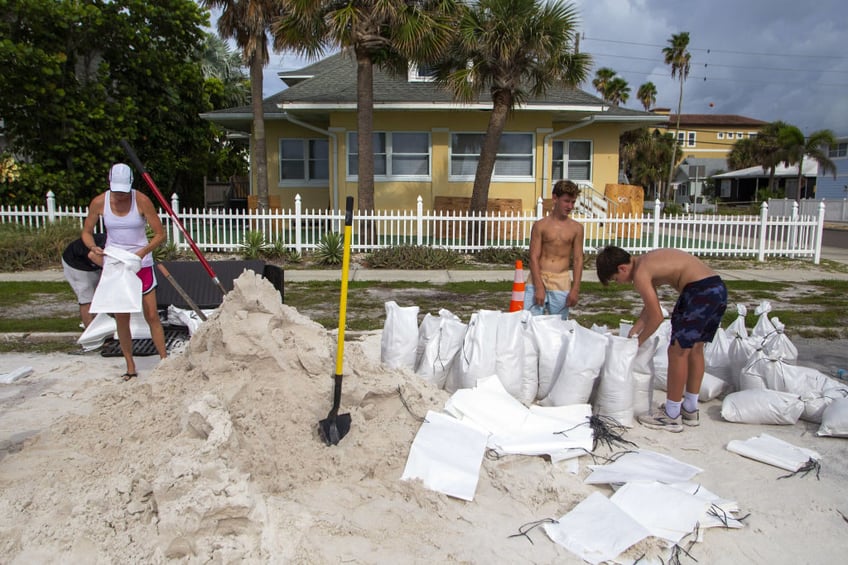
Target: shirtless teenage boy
556	243
694	321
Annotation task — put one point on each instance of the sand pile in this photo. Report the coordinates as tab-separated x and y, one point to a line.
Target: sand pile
215	457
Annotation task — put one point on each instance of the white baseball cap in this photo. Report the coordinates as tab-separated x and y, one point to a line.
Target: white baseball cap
120	178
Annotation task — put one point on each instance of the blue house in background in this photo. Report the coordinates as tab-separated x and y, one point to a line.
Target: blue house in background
827	187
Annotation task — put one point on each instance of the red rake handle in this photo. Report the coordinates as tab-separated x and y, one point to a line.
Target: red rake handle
164	202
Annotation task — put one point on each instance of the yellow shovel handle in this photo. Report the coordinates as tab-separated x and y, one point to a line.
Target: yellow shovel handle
348	222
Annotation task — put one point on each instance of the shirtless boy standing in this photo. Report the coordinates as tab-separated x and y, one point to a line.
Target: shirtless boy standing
556	243
694	321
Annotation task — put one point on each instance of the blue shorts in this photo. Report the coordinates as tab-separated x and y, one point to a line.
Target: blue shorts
555	302
698	312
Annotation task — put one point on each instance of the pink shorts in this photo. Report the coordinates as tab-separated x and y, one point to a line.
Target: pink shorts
148	279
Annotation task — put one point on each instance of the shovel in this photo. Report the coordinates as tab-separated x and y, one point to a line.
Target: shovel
336	425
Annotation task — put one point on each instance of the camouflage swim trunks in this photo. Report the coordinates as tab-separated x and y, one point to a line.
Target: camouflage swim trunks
698	312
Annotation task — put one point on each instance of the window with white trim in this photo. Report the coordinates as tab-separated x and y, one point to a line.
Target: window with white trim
572	160
514	160
838	150
690	141
420	73
720	135
681	137
399	155
304	161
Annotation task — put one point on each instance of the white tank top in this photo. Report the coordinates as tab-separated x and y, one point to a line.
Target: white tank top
126	232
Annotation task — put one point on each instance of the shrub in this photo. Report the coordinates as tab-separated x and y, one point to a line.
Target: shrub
331	249
413	257
23	247
253	245
500	256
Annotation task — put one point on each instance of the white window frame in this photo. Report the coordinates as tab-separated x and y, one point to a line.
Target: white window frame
566	160
307	159
720	135
730	135
531	158
414	74
691	138
833	152
353	152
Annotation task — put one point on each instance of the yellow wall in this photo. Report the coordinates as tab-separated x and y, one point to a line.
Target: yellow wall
707	142
396	195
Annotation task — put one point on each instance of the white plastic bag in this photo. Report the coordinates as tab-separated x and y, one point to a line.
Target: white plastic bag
119	289
439	339
762	407
399	341
834	421
615	389
584	354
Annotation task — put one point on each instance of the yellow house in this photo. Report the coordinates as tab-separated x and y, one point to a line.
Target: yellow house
706	141
709	136
425	143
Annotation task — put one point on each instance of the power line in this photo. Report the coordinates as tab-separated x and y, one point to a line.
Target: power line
711	50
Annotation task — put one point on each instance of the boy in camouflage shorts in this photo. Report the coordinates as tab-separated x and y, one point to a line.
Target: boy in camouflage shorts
694	321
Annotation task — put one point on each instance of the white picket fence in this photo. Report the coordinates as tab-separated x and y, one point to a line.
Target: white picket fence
765	235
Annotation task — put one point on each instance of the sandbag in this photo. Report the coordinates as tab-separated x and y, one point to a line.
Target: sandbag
509	351
711	387
813	387
762	407
530	373
615	389
439	339
584	354
119	289
399	342
834	420
475	359
548	332
717	357
763	327
778	344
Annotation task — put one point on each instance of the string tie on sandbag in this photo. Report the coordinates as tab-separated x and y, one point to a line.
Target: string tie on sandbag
524	529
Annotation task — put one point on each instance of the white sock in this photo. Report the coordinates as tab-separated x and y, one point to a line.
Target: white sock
672	408
690	401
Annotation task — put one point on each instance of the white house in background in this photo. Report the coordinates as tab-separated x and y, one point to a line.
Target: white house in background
830	188
742	185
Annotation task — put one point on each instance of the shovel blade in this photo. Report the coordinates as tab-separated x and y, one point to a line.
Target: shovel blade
334	428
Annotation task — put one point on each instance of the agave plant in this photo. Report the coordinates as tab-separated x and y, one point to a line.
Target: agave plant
331	249
253	245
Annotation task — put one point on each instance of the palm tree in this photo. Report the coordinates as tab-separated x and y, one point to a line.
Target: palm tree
769	150
247	22
221	64
386	33
743	154
795	147
644	155
647	95
515	49
618	91
677	55
602	78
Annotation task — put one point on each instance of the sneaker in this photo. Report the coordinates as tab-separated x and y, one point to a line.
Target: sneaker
689	418
661	421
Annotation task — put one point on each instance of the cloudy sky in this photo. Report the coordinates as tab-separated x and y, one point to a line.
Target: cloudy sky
765	59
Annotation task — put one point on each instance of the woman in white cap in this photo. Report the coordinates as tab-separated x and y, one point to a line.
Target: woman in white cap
126	213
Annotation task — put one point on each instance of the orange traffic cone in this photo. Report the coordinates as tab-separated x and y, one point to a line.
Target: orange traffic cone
517	302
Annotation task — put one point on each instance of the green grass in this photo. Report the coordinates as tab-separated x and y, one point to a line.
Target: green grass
809	309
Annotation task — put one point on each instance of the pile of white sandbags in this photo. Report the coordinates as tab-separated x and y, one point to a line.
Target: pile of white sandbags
767	386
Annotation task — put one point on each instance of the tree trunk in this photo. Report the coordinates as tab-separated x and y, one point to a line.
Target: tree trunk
259	153
676	136
501	103
800	177
365	133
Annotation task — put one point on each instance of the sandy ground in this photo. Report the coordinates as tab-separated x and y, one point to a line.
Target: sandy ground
213	456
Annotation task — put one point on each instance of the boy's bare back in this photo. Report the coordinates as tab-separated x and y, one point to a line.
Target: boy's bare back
669	266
